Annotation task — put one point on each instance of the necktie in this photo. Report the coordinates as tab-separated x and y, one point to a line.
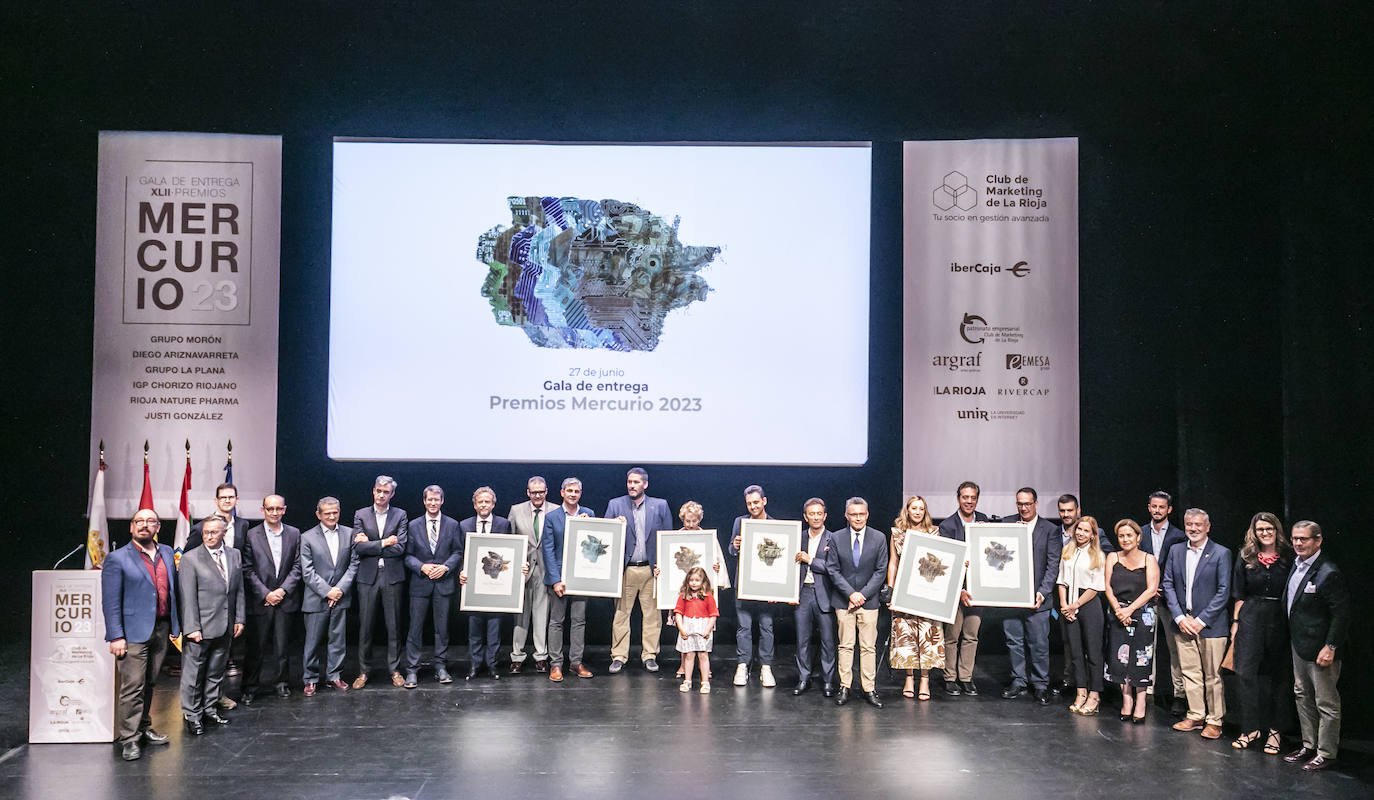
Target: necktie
219	562
433	534
484	526
538	529
857	549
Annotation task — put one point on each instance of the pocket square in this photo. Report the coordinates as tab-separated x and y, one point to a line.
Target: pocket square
1310	588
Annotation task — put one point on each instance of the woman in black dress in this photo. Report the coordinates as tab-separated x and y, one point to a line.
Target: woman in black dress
1132	580
1259	632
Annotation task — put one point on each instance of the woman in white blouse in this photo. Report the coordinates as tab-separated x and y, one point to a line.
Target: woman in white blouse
1080	582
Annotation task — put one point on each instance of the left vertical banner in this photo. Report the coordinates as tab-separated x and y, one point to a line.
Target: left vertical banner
188	231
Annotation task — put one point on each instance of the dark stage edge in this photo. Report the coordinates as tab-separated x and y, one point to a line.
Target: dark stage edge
634	735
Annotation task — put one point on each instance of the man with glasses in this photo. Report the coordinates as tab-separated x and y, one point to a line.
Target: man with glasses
527	519
1318	617
1029	629
272	576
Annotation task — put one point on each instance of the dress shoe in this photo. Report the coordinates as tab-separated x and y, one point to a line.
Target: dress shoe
214	716
247	698
309	690
828	690
131	752
651	665
397	680
1211	732
1187	724
472	673
340	685
1042	696
360	681
1013	691
227	703
952	689
872	699
842	696
1057	688
516	666
1301	754
441	675
194	727
494	673
970	688
1319	763
541	666
801	688
412	680
232	669
283	690
150	736
1178	707
582	672
556	673
616	666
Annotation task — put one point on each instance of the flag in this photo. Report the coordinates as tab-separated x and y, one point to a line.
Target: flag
146	501
229	478
183	515
98	527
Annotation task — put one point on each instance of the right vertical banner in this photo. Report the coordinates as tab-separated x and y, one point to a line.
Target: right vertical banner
990	333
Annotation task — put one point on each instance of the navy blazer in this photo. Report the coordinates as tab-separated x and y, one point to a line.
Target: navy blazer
1320	613
845	577
1172	536
952	527
822	583
657	518
365	520
259	575
551	545
449	552
1211	587
128	597
1046	549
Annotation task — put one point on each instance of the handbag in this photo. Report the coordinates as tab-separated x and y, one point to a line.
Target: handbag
885	595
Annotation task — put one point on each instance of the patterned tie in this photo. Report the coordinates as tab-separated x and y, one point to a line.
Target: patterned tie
433	534
219	562
857	549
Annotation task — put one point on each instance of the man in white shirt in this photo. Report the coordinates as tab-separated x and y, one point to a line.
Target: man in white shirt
813	613
272	583
1197	587
527	519
329	562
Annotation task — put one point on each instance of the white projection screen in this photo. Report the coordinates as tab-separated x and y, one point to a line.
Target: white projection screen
662	303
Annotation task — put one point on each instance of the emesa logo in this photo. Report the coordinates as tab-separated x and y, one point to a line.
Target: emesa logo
1025	361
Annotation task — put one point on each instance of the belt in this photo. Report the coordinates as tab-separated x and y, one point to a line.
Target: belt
637	564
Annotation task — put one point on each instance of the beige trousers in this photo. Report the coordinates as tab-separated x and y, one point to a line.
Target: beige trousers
1199	659
862	624
638	584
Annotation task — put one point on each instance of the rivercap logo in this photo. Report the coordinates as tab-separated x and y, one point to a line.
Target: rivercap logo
955	193
971	319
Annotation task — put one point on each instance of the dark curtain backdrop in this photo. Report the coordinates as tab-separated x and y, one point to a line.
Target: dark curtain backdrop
1225	216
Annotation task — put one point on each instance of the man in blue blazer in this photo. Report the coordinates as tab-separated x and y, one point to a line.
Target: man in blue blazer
856	566
1160	536
484	629
1197	586
138	599
551	547
434	554
1029	629
961	635
379	537
644	517
814	613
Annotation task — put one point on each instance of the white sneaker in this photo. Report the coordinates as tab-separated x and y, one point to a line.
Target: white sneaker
766	677
685	686
741	674
705	687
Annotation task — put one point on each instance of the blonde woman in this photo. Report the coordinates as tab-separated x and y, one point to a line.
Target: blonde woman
1081	580
917	643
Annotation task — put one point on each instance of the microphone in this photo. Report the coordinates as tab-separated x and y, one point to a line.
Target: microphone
74	551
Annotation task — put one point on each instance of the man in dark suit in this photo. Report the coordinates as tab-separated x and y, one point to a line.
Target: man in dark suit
1029	629
527	519
1197	586
856	567
644	517
961	635
329	562
272	573
813	613
226	508
379	537
747	611
210	587
1318	617
1160	535
434	553
551	547
139	602
484	629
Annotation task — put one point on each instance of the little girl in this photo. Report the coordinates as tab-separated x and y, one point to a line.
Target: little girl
695	614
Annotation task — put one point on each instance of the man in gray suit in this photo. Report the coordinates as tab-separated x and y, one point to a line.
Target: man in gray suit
379	534
527	519
328	565
210	581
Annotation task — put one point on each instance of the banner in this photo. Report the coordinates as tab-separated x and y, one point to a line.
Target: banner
188	230
990	334
71	670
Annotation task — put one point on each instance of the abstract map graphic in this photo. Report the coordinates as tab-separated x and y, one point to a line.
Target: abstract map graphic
493	564
686	558
769	551
931	567
999	555
593	548
589	274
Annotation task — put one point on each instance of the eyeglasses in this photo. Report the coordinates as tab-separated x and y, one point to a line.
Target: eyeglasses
536	491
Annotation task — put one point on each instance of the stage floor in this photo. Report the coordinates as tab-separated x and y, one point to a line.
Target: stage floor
634	735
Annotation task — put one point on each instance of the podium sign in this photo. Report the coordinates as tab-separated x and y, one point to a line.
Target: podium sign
71	671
